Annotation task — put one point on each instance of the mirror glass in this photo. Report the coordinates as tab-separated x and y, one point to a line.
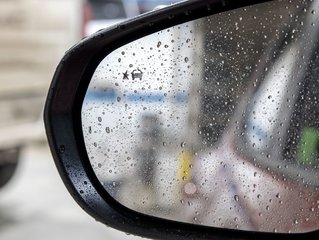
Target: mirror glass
215	121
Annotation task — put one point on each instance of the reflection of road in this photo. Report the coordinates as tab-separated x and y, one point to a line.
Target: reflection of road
36	205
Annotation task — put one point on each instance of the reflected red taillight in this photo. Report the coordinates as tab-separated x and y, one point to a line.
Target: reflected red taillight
87	16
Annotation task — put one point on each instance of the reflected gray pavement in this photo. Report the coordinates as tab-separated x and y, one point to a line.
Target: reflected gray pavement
36	205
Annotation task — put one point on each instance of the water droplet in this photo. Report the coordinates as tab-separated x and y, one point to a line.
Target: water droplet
183	144
159	44
62	149
236	197
107	130
313	12
186	59
99	119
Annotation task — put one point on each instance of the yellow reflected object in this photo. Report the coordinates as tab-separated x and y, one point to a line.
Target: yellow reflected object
184	168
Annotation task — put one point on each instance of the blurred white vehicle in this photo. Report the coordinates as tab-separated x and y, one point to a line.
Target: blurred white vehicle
34	36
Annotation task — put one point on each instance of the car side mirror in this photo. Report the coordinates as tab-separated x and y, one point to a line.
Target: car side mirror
194	121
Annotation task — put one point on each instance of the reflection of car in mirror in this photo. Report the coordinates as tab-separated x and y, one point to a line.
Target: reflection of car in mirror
251	153
210	122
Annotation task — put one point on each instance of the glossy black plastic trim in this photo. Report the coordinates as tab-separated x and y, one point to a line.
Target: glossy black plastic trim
64	128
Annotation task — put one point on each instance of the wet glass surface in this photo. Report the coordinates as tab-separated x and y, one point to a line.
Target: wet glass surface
214	121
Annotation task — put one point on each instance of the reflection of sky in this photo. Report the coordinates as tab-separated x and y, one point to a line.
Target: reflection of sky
147	97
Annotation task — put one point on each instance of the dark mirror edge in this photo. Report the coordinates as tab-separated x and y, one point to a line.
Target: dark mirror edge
62	117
